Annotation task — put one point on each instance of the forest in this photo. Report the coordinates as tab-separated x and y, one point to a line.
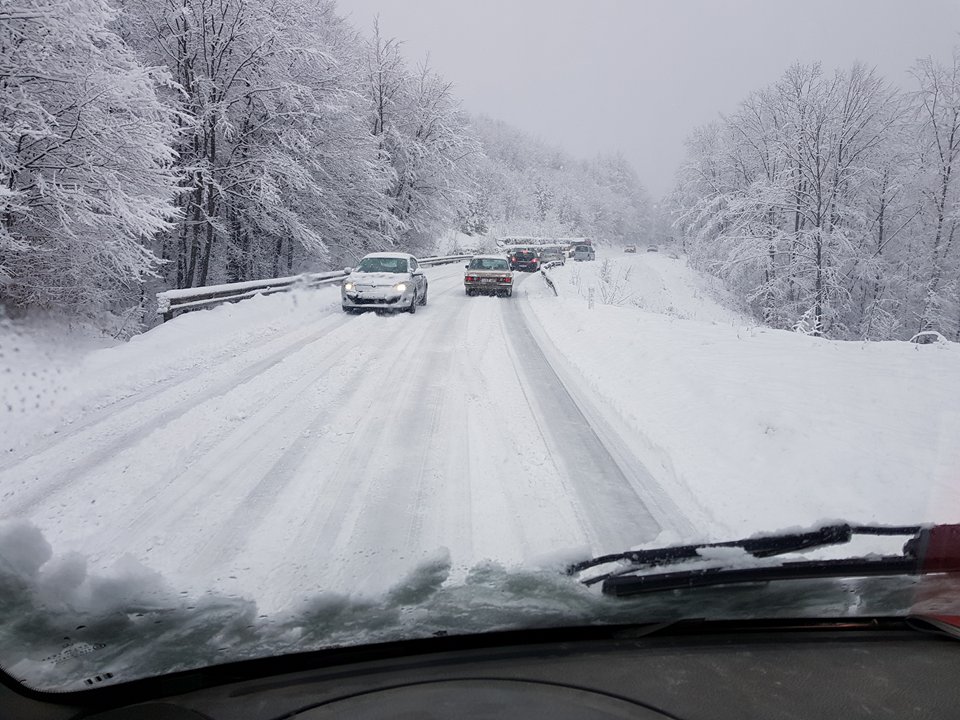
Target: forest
155	144
830	203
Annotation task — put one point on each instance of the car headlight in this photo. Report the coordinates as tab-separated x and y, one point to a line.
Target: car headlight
348	286
400	287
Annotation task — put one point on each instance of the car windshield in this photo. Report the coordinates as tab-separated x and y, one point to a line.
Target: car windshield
255	402
489	264
383	264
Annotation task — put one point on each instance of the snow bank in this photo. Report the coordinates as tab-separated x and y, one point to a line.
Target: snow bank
750	428
654	282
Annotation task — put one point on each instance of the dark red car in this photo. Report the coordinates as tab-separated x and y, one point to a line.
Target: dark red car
525	260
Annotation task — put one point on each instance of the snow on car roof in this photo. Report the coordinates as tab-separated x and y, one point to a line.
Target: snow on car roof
406	256
488	257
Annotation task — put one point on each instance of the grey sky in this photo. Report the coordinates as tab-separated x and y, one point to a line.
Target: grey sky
638	75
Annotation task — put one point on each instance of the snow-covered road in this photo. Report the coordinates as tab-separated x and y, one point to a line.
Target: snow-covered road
334	454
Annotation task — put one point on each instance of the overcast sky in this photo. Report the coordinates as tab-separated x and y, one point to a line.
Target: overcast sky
638	75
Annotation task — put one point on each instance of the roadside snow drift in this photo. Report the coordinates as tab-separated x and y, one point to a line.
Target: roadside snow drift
750	428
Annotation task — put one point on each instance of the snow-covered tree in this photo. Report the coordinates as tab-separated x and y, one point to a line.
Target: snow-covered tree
278	171
797	198
938	108
86	171
531	188
424	137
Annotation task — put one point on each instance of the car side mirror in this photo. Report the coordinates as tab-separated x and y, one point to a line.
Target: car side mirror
467	266
348	270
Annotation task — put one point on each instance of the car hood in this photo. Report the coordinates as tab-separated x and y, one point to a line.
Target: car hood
378	279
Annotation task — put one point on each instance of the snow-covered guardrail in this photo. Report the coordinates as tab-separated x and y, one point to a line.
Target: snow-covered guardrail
442	259
171	302
547	279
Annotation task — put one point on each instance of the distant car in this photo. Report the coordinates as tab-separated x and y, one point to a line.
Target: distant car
652	248
384	282
553	255
525	260
488	275
629	248
583	252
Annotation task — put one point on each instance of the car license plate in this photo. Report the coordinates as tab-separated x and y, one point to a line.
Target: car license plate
488	280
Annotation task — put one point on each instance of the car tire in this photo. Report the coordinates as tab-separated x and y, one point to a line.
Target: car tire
413	304
423	300
509	293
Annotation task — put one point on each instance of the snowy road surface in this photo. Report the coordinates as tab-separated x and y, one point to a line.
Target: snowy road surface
335	454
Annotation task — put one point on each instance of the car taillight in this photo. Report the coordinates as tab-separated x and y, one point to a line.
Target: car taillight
469	278
506	278
535	260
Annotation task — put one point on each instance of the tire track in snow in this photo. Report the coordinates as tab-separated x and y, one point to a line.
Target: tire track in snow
318	532
512	479
184	494
614	515
41	482
665	509
398	499
91	423
224	544
187	493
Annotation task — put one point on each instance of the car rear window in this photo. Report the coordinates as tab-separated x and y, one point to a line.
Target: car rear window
488	264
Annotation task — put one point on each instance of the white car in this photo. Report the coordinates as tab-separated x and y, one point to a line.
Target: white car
384	282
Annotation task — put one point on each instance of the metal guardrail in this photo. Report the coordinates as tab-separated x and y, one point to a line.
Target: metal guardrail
171	302
543	273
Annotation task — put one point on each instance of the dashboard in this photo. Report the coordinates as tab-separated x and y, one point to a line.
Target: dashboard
830	670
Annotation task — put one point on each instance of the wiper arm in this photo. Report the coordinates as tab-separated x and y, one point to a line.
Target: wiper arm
935	549
758	547
623	585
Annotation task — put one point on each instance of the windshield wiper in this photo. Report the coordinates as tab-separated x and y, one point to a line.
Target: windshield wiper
928	549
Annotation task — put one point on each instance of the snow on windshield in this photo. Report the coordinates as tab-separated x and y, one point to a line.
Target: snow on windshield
69	628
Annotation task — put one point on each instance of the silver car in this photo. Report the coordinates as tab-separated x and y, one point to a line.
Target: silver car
384	282
553	255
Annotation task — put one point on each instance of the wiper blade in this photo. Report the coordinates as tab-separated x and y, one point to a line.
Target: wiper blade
623	585
933	549
759	547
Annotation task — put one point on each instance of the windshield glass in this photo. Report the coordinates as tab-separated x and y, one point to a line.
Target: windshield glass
383	264
489	264
217	444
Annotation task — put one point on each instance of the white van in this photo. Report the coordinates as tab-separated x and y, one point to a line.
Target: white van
583	252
